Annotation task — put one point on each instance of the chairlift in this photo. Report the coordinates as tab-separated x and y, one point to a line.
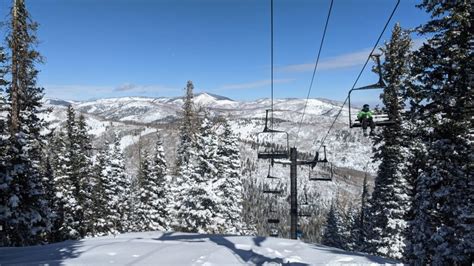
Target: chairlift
272	210
304	204
323	172
320	170
272	144
380	118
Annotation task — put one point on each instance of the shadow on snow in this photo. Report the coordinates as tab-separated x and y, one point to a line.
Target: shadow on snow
247	256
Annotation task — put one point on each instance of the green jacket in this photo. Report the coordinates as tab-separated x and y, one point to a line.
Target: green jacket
364	114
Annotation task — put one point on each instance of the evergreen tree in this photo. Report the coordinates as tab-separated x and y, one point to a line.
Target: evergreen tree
198	211
141	212
66	224
102	194
118	188
26	214
72	169
229	183
363	220
333	233
442	231
188	128
84	172
152	210
186	147
390	198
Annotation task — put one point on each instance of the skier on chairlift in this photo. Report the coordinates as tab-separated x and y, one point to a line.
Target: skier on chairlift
366	119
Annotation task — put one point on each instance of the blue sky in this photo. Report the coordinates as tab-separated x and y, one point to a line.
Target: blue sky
112	48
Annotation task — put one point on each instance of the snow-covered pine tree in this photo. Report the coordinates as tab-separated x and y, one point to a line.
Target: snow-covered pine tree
390	200
159	170
153	191
442	231
66	224
188	128
75	174
50	193
26	217
186	146
362	223
72	167
141	208
229	183
353	228
83	170
118	188
102	194
198	211
333	232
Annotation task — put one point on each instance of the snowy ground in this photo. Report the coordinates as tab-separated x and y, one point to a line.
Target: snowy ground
157	248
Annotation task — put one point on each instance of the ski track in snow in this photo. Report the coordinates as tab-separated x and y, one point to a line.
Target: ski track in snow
157	248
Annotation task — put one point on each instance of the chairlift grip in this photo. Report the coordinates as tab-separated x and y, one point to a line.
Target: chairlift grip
325	160
265	129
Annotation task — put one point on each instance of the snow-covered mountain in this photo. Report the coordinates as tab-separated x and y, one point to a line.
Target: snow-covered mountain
137	120
157	110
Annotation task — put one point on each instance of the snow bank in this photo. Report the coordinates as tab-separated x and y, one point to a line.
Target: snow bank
157	248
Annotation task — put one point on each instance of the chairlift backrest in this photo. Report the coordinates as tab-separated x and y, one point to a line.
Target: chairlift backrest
272	144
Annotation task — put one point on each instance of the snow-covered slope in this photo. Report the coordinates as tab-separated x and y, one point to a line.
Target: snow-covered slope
157	248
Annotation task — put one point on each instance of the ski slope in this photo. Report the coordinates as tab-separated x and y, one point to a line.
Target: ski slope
158	248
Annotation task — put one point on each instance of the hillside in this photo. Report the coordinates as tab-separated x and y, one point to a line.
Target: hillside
346	147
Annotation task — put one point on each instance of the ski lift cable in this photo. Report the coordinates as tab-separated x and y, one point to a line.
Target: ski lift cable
271	59
360	74
314	70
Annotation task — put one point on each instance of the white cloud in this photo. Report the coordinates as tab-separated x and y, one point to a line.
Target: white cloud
341	61
130	87
254	84
336	62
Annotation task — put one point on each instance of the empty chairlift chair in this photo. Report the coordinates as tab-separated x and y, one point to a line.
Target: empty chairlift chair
304	205
273	232
273	213
272	144
320	170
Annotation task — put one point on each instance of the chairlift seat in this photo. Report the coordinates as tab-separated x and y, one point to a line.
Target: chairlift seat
380	120
322	172
272	144
273	155
273	220
269	191
320	179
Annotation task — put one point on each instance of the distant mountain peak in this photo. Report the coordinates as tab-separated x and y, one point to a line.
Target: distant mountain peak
215	96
